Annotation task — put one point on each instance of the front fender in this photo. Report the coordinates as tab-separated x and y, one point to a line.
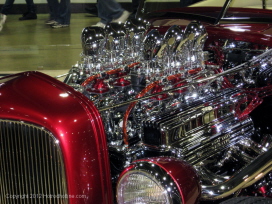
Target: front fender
36	98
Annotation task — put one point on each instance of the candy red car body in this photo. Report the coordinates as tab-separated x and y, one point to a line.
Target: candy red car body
175	108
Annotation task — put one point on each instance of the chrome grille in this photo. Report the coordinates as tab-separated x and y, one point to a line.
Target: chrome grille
31	165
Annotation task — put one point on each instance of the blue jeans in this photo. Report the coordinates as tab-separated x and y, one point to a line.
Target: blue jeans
9	3
185	3
109	10
60	11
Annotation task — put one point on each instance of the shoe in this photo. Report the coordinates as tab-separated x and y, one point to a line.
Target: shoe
99	24
58	25
122	19
3	19
28	16
50	22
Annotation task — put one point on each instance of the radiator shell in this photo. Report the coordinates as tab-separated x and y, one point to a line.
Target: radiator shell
41	100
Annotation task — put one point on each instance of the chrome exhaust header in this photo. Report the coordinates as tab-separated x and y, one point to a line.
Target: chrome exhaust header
242	179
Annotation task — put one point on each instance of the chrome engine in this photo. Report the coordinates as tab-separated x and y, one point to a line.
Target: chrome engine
159	96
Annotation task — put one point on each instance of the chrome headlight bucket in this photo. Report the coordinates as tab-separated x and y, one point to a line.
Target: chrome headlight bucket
152	181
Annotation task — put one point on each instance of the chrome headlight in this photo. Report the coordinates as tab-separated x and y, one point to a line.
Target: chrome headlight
146	182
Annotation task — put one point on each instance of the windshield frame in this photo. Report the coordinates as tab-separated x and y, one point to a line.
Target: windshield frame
220	18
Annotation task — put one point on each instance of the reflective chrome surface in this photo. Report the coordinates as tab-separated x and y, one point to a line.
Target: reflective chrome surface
116	34
159	186
197	35
91	38
255	171
136	29
152	43
159	95
32	168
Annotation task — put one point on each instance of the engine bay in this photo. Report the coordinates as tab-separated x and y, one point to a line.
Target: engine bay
174	95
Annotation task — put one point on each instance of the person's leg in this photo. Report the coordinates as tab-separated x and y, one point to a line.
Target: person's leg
64	12
7	7
184	3
92	10
109	10
30	6
53	9
31	11
135	5
64	15
52	16
4	11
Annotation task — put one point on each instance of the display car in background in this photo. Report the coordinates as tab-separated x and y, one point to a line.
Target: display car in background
171	107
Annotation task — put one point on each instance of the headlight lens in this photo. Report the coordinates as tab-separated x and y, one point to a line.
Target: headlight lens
139	187
158	180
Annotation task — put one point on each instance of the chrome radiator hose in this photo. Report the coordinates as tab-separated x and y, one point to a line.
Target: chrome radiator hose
242	179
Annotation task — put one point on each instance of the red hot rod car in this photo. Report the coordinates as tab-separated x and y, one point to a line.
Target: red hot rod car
173	107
